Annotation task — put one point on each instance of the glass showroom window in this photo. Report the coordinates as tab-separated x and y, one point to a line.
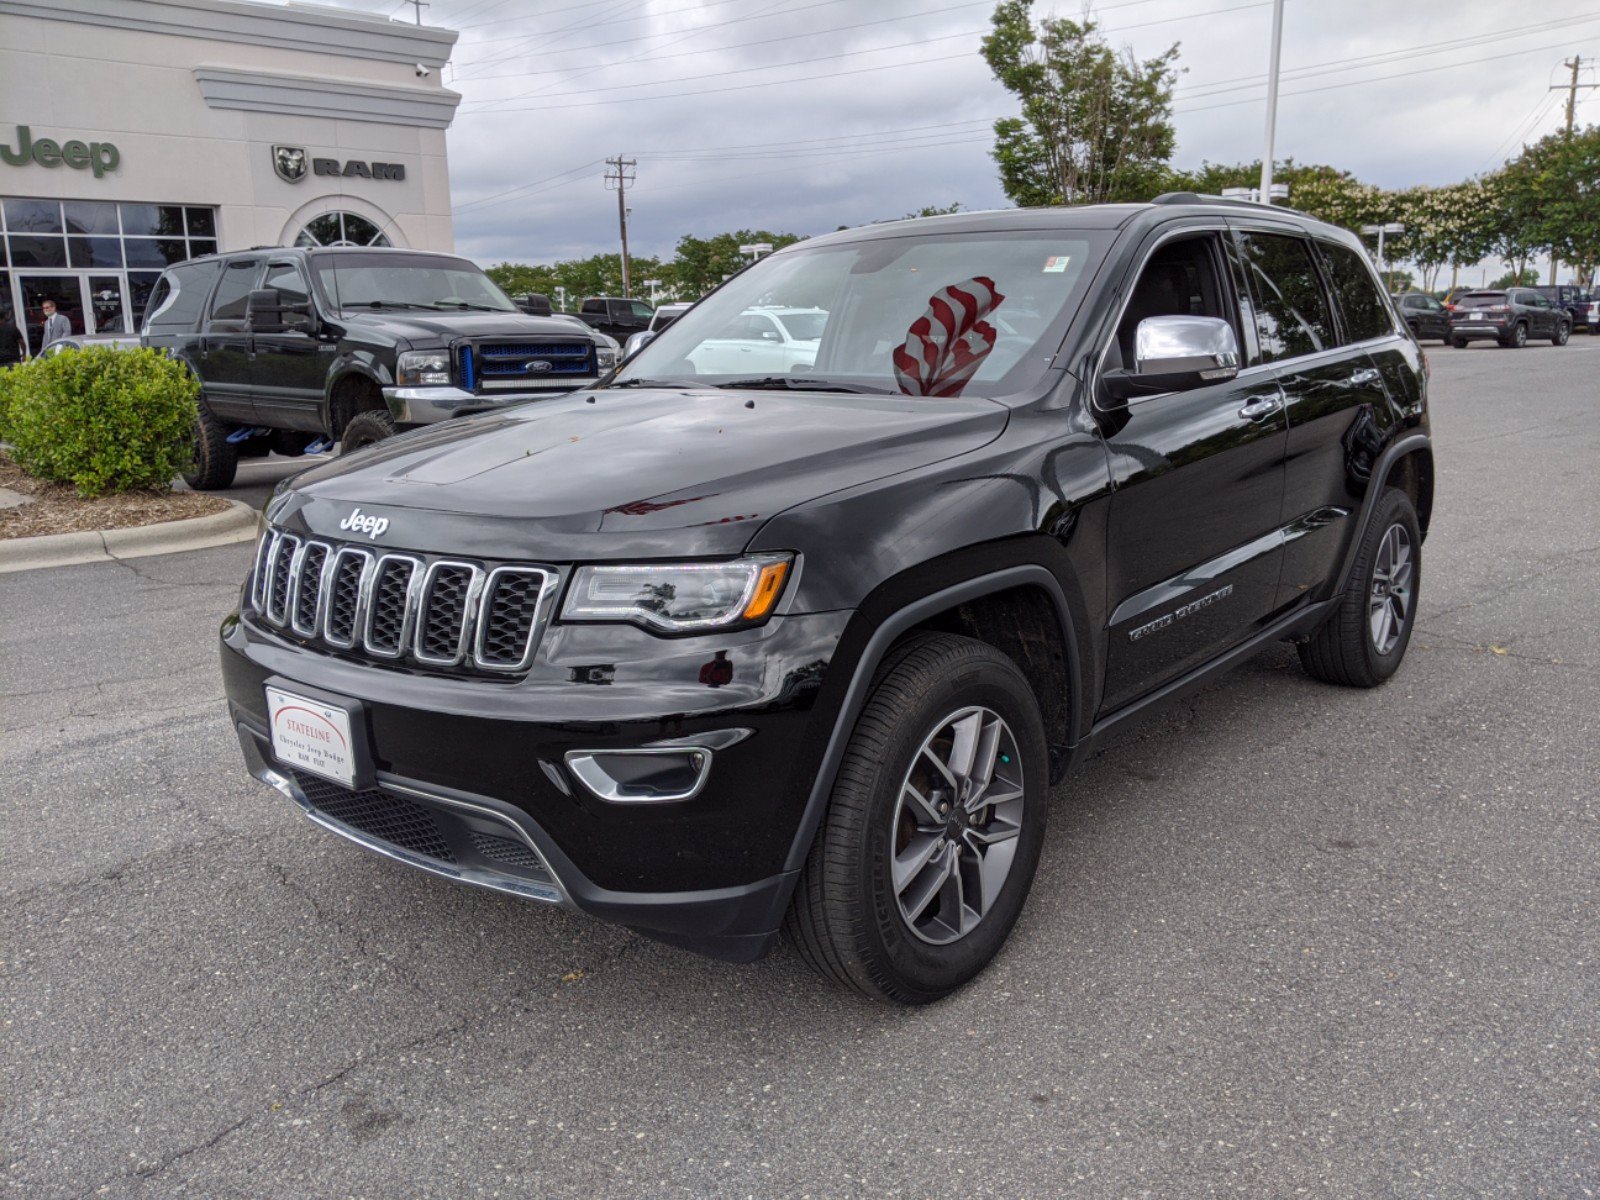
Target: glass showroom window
341	229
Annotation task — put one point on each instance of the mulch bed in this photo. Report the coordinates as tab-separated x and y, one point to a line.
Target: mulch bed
59	509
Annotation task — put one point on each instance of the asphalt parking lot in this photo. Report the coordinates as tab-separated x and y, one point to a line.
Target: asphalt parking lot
1289	940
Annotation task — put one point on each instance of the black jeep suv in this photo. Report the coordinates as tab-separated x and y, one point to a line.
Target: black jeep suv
298	349
713	654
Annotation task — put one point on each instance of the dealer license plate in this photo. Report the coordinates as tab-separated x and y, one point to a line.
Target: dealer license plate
1475	316
312	735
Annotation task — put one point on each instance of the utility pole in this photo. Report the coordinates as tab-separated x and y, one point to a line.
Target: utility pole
1272	101
622	176
1572	117
419	5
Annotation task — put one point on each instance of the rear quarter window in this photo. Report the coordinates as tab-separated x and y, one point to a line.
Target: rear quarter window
180	296
1356	293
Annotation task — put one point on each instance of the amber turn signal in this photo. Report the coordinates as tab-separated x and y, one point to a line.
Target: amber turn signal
768	586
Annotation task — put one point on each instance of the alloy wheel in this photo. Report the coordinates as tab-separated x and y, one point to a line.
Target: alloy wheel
1390	602
956	823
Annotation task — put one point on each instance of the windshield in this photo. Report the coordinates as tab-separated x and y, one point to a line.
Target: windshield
929	315
358	280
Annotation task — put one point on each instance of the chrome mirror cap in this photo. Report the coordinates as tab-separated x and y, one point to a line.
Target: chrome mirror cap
1173	344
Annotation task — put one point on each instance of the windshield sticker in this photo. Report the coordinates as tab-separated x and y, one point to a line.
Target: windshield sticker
947	344
1057	263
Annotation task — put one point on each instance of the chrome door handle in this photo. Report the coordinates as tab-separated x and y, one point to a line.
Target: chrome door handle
1257	409
1364	376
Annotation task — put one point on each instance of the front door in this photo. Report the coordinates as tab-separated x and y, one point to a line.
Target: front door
1194	547
65	290
290	365
225	347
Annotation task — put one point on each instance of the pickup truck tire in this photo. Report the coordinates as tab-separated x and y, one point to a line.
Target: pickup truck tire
848	919
365	428
215	461
1356	647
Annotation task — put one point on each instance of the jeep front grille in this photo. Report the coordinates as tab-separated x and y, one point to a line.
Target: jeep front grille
400	608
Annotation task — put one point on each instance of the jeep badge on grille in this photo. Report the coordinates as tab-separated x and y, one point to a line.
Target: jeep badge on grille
373	527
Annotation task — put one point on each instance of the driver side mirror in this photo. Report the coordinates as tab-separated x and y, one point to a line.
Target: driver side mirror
269	314
1175	354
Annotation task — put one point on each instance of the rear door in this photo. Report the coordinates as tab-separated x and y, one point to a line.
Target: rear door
290	365
225	344
1333	339
1193	547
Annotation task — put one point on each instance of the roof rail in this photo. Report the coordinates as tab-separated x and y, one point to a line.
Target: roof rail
1230	201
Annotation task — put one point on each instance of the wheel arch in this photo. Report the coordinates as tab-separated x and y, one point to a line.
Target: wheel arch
351	391
1408	463
1024	609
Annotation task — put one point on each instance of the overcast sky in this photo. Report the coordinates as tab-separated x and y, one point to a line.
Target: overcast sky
803	115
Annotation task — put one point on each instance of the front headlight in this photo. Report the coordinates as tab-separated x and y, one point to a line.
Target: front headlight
422	368
605	357
680	597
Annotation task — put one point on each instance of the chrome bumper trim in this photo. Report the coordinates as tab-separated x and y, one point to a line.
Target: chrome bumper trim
424	405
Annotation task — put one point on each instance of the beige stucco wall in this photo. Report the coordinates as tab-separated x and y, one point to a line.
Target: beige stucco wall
138	90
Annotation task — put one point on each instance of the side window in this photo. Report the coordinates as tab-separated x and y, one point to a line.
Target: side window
290	283
1291	311
594	306
1180	279
1356	293
641	309
179	295
233	293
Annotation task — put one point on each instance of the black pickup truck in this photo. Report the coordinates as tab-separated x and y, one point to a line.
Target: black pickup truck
615	316
301	349
714	654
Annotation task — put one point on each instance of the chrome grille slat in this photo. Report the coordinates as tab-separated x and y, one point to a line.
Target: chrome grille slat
280	579
441	613
390	590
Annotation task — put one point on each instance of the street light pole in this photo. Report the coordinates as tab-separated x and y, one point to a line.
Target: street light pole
1380	230
1272	98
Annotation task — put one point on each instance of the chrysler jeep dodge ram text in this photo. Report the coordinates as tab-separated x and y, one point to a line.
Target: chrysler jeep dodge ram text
714	654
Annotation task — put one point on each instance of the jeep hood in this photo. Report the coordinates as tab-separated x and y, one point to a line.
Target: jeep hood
616	473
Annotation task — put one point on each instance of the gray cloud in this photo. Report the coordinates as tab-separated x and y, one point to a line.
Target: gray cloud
1401	120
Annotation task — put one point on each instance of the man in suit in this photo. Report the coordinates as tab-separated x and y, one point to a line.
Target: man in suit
56	325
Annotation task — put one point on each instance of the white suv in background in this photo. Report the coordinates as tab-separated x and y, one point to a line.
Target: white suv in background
762	341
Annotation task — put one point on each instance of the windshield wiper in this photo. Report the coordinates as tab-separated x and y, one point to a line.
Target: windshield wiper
468	304
796	383
387	304
657	383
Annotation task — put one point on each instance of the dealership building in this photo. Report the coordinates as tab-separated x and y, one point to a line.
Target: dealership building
138	133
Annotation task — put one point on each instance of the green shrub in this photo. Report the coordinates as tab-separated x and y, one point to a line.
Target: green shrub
102	420
6	387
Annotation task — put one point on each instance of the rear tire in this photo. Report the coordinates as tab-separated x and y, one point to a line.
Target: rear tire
215	461
900	901
1356	646
1459	343
1518	338
365	428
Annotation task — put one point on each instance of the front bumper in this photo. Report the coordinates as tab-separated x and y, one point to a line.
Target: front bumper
488	759
426	405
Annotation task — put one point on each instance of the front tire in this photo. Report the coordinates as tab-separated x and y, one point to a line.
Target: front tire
1362	642
933	832
216	461
365	428
1562	333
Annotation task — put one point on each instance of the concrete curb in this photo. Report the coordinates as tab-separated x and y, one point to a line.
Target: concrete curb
238	524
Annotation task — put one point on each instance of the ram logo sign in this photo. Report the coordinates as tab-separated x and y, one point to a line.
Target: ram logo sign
290	164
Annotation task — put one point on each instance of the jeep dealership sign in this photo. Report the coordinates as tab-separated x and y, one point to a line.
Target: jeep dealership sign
290	163
98	157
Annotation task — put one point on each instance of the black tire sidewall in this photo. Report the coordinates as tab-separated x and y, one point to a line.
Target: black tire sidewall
1396	510
924	971
368	428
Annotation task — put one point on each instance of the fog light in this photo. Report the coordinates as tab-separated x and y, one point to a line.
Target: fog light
642	776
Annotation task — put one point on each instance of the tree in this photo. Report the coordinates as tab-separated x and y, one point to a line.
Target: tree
702	263
1527	277
1096	126
1554	188
1325	192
